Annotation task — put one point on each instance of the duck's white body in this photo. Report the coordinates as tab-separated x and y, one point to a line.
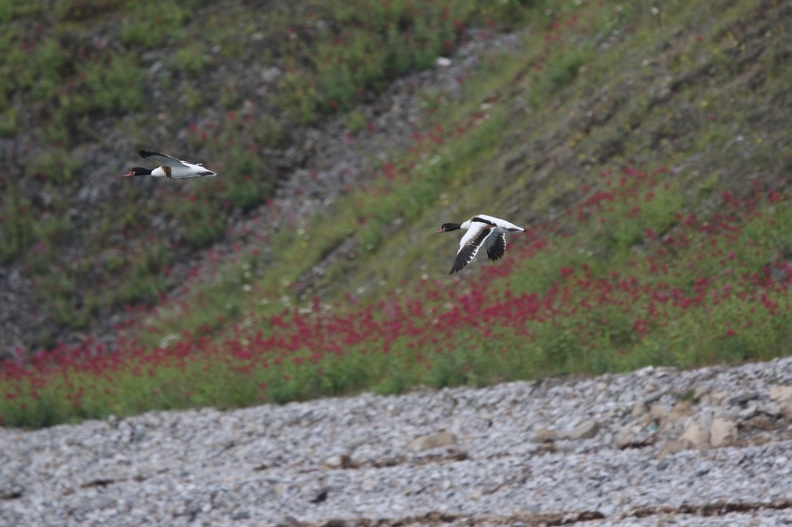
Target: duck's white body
170	167
482	230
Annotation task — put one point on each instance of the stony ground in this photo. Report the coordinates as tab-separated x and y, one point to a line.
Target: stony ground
654	447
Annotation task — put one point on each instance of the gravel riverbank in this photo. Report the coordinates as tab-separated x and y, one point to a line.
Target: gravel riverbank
657	446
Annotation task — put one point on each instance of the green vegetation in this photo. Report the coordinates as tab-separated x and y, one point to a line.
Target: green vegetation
151	64
17	232
658	207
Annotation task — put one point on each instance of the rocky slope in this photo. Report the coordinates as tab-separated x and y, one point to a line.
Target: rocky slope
657	446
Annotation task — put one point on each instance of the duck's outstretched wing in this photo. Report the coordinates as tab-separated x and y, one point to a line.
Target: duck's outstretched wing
496	246
470	244
162	159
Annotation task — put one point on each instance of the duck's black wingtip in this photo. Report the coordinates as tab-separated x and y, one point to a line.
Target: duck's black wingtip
145	154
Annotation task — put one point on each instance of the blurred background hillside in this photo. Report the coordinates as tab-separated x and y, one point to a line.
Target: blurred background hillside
635	139
243	86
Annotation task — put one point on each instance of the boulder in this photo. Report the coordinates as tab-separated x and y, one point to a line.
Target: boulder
780	392
338	461
585	430
544	435
695	436
723	432
428	442
670	447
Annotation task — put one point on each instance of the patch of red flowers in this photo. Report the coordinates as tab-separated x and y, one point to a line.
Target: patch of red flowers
551	292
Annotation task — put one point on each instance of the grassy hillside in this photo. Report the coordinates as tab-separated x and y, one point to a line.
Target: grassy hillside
85	83
645	148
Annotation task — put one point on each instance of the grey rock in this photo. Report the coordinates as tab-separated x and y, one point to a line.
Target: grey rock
654	397
743	398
